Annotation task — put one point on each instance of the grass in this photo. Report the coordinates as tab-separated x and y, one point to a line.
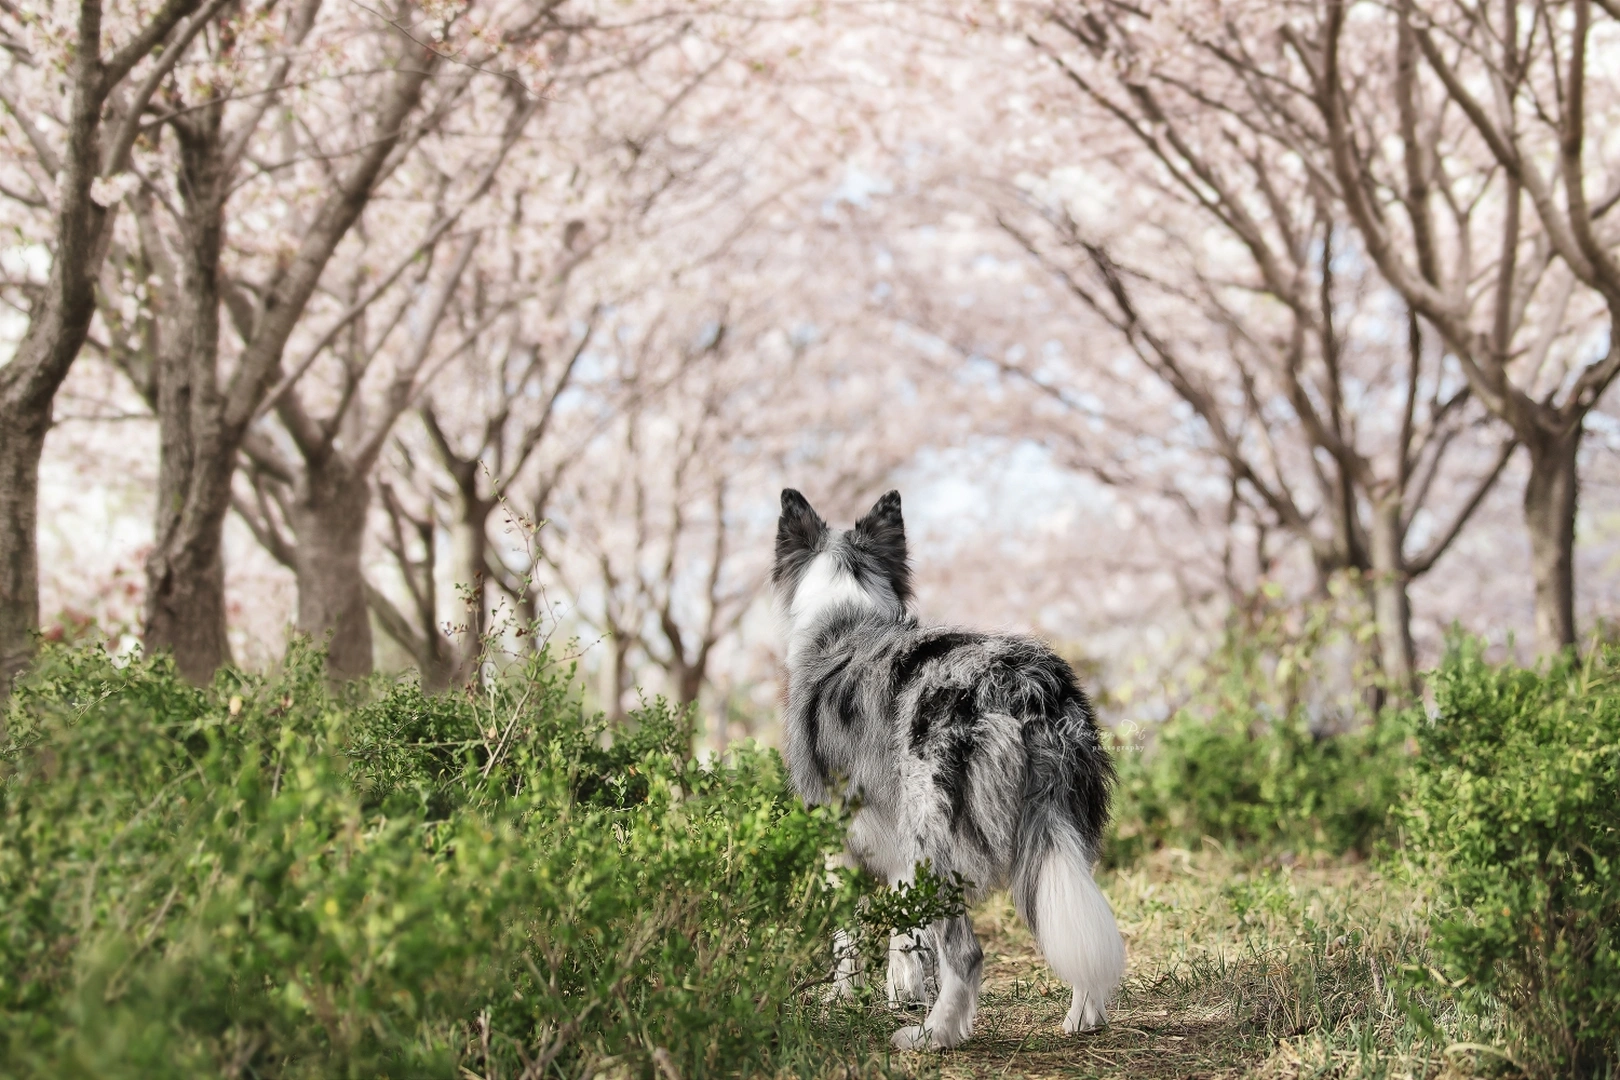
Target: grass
1277	969
1240	963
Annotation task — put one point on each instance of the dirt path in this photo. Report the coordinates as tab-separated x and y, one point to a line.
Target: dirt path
1234	970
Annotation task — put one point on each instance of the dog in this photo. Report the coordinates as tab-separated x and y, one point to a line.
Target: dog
978	752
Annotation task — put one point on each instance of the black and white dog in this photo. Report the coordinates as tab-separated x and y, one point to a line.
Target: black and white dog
975	751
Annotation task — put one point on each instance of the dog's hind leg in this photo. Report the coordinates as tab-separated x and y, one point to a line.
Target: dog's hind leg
847	973
961	964
909	956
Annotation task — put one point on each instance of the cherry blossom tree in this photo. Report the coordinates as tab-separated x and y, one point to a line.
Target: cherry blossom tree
1370	108
1232	223
629	157
70	170
357	122
530	376
204	409
1526	140
309	506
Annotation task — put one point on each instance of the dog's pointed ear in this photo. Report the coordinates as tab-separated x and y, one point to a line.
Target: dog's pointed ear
882	532
799	533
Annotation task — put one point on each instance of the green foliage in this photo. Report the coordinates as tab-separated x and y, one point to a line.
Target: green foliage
889	911
1239	761
270	878
1516	815
1247	780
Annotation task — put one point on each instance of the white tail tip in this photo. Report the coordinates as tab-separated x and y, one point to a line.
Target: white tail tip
1077	932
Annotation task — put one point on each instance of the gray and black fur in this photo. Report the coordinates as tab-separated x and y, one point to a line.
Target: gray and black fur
978	752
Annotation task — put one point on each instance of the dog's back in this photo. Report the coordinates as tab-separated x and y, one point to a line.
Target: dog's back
995	727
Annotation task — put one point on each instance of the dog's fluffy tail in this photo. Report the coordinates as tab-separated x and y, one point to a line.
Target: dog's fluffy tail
1067	780
1076	930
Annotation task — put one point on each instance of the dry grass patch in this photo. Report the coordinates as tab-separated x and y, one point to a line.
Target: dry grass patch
1283	970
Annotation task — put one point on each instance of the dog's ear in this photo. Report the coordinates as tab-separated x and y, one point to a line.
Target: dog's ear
882	534
799	533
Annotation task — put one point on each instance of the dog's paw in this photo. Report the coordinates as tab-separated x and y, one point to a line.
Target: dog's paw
839	990
1084	1019
944	1036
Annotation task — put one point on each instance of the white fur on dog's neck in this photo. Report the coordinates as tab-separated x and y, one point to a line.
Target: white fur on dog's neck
827	584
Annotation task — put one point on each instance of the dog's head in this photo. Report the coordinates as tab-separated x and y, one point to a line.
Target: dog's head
819	568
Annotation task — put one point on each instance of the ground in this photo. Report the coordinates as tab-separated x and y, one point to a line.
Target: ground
1278	969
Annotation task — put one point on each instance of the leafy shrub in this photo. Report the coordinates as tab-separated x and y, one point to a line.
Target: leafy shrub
1516	813
1239	760
1245	780
269	878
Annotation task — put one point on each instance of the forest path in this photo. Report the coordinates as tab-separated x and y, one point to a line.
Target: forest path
1234	969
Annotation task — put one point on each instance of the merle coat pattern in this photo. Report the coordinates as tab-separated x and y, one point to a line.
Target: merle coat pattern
978	752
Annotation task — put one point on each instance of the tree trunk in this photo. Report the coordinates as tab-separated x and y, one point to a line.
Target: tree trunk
185	604
56	331
469	538
185	573
618	676
1550	498
329	519
22	439
1392	608
438	666
440	657
433	653
689	684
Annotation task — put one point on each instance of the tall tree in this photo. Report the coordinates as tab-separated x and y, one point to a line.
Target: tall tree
105	114
205	409
633	156
1544	81
1429	127
309	509
1282	388
646	519
317	475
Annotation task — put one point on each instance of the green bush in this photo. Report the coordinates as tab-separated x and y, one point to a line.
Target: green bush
1238	760
1247	781
268	878
1516	815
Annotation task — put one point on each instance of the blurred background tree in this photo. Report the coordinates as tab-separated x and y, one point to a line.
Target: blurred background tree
1160	319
